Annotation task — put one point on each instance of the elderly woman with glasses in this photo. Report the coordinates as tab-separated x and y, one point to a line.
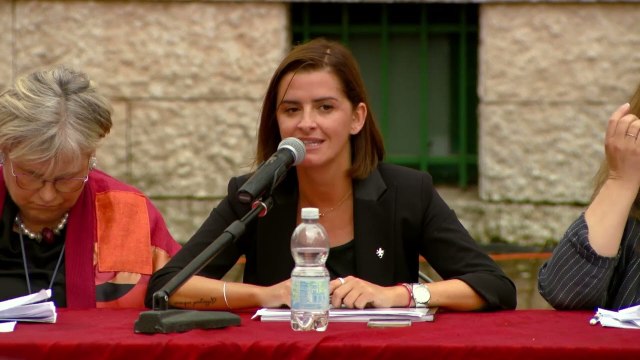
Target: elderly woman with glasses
66	226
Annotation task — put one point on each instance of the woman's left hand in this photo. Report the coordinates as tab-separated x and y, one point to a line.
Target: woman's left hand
276	295
353	292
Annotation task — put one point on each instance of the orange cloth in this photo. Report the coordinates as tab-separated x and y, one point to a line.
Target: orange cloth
123	223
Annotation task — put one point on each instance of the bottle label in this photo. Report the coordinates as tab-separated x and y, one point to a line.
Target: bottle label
310	293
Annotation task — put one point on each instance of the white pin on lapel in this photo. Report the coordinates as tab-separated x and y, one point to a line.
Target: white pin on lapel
380	253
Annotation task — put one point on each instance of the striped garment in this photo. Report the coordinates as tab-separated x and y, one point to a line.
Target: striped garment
576	277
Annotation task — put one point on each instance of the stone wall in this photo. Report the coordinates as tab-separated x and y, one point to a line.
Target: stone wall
187	78
550	76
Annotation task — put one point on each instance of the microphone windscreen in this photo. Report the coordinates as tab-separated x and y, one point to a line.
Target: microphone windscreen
296	146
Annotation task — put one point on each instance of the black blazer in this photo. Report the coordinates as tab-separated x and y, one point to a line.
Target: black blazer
397	212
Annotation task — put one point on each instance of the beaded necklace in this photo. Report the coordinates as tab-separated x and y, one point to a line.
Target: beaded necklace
47	234
23	230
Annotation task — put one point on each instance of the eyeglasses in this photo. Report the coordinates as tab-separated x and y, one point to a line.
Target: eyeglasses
32	182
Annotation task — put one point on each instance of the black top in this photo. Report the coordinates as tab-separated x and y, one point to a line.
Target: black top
398	215
341	261
41	261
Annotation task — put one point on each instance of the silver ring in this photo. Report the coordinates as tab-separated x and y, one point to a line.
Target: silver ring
341	281
630	134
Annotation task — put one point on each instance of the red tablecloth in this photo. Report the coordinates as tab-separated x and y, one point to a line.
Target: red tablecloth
522	334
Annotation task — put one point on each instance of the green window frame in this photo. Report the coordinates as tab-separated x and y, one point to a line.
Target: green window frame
419	63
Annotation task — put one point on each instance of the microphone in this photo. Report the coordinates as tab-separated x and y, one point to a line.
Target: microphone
270	173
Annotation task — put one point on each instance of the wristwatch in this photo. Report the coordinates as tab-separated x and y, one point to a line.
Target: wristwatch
421	295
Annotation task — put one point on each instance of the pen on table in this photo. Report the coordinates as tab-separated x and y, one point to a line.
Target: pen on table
594	320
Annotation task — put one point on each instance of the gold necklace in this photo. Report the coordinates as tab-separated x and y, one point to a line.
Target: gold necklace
328	211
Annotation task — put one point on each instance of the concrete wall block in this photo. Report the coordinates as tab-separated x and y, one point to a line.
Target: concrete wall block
191	149
157	49
536	225
519	224
558	52
183	216
112	154
540	152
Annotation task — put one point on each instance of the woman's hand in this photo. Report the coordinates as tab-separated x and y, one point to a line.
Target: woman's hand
276	295
622	147
607	214
353	292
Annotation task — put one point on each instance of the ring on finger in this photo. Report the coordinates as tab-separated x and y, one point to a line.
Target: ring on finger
341	281
630	134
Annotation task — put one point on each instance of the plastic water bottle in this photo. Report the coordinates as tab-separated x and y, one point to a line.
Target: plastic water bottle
310	278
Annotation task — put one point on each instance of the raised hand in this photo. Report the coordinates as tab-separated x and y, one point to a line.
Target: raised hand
622	146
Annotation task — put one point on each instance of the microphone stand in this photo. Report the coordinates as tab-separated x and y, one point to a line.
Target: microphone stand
164	320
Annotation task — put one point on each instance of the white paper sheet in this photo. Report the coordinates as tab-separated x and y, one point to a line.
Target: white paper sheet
355	315
29	308
628	318
6	327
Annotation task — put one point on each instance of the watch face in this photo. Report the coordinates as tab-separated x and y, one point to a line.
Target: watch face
421	294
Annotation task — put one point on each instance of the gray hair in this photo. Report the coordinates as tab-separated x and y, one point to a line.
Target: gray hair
53	115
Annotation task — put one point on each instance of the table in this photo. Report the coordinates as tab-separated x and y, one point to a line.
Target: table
518	334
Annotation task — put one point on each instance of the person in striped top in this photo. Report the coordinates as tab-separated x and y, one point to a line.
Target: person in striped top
597	262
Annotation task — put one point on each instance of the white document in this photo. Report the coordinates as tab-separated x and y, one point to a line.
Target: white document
628	318
30	308
7	326
356	315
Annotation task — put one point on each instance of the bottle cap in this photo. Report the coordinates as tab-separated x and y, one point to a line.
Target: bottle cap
310	213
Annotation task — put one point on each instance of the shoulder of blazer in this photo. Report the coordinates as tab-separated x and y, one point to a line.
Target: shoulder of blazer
399	173
387	176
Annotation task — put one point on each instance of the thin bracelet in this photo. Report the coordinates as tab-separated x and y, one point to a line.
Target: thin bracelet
407	287
224	294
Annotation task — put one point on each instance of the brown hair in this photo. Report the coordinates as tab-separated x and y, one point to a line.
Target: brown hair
603	172
367	148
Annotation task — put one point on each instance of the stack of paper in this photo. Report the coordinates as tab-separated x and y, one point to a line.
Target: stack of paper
356	315
27	308
628	318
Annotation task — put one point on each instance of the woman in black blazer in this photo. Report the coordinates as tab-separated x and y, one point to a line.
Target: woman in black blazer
379	217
